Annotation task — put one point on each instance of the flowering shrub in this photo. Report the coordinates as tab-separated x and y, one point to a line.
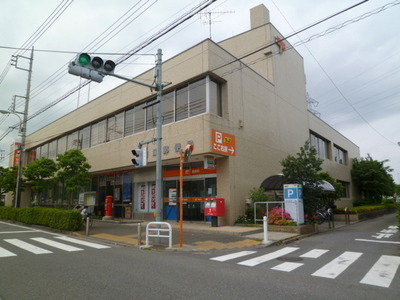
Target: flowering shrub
278	216
310	218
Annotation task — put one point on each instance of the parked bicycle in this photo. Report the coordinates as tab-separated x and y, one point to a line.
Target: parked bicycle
324	214
87	215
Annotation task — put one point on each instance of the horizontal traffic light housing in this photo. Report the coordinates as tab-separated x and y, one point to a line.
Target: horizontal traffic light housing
92	68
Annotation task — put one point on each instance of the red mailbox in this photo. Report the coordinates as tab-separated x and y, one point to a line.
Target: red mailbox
109	206
214	207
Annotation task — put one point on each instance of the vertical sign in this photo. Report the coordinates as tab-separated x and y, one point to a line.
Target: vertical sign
16	154
293	194
172	196
223	143
142	198
153	200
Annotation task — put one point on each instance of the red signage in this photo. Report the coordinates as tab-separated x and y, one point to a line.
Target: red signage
223	143
16	154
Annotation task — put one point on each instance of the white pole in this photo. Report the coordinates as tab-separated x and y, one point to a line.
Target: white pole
265	221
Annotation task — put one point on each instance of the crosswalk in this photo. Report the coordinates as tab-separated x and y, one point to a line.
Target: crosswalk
380	274
41	245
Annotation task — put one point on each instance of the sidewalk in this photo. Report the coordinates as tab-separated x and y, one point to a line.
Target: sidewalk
197	236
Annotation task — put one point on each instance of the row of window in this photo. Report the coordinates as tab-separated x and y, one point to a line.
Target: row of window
323	149
199	97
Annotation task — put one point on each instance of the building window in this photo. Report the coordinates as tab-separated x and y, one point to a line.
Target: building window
32	155
181	111
321	145
52	149
215	98
98	133
151	114
340	155
346	189
73	141
115	128
168	107
139	118
44	150
129	122
197	98
84	138
62	145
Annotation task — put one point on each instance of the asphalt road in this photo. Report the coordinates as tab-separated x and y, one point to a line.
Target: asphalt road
32	266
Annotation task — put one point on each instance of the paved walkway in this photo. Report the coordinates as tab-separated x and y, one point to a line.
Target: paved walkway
197	236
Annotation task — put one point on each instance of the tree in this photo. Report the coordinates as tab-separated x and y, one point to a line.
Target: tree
8	180
40	174
303	170
331	196
372	178
73	171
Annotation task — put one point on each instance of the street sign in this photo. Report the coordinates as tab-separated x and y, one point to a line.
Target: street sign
223	143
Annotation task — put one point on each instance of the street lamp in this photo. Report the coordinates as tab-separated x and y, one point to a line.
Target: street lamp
22	131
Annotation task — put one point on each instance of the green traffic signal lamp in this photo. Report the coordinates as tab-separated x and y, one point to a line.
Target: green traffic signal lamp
84	59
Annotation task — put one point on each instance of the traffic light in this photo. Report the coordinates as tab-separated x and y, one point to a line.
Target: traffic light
91	68
138	157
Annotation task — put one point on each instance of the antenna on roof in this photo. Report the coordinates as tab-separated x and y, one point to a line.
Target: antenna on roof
209	19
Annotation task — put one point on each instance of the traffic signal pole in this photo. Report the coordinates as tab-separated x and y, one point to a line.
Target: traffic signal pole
94	69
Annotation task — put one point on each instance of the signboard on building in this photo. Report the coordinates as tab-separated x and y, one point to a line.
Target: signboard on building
172	196
223	143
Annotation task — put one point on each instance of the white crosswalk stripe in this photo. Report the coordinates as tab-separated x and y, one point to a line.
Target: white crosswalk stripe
380	274
28	247
267	257
84	243
338	265
383	271
56	244
6	253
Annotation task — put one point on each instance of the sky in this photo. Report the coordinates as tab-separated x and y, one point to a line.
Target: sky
352	60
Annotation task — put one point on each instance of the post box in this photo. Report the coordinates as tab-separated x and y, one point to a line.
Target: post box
214	207
109	206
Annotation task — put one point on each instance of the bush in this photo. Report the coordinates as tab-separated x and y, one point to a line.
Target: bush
51	217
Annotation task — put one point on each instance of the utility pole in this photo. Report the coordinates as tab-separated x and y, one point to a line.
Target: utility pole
23	129
159	87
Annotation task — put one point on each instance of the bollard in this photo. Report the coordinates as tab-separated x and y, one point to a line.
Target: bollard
265	221
139	234
87	225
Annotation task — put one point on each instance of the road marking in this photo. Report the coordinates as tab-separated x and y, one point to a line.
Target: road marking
20	231
267	257
287	266
56	244
375	241
315	253
84	243
6	253
232	256
338	265
383	271
28	247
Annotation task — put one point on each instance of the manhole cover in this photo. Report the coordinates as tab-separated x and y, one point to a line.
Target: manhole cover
289	259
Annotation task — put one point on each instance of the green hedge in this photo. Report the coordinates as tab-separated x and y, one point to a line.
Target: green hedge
51	217
362	209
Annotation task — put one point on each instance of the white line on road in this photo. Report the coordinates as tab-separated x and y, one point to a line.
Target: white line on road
267	257
26	246
84	243
376	241
20	231
56	244
315	253
6	253
383	271
232	256
338	265
287	266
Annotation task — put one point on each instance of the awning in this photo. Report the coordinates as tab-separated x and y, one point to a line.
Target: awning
276	182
